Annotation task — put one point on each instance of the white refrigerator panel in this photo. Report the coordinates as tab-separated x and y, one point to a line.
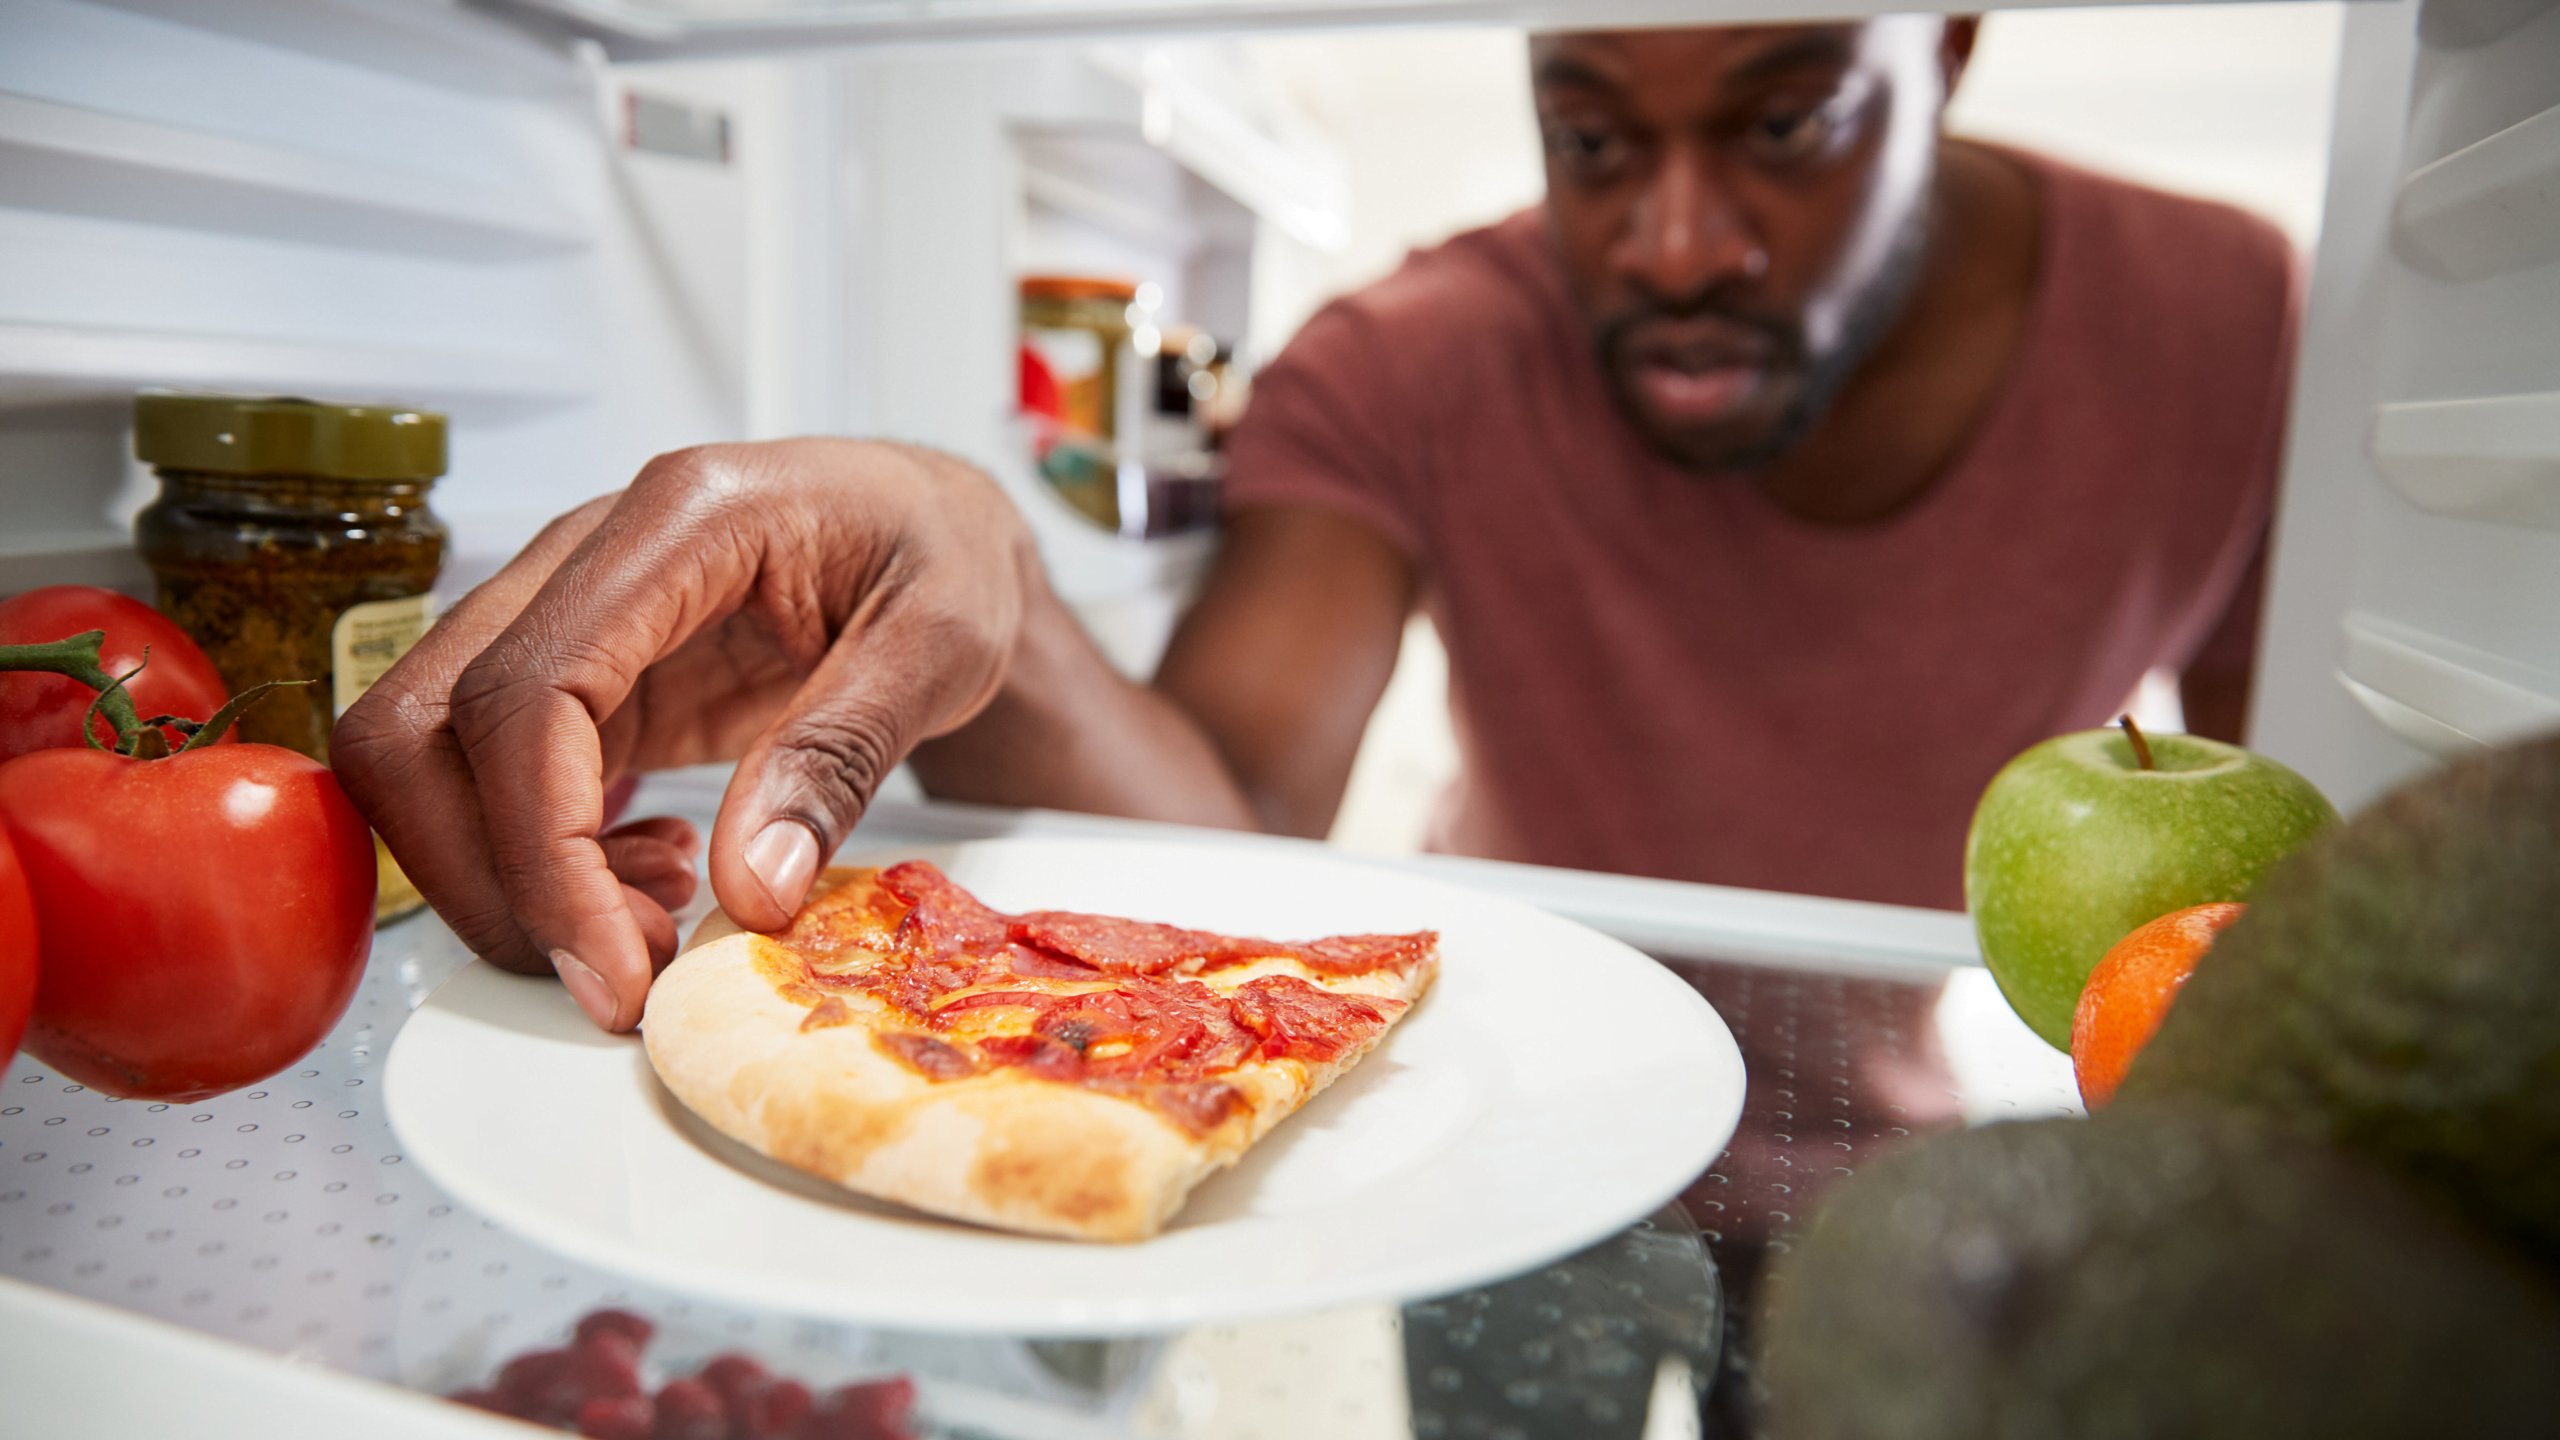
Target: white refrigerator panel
2416	603
450	224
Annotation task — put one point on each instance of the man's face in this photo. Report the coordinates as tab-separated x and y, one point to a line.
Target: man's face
1741	214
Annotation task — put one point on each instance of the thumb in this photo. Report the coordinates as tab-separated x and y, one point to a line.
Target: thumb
804	783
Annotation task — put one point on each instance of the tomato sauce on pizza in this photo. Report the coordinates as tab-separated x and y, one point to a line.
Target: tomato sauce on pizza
1149	1011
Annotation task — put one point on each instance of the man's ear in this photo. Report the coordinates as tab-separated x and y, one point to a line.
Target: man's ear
1955	48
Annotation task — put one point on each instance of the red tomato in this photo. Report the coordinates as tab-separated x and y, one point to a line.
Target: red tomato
203	919
17	950
42	712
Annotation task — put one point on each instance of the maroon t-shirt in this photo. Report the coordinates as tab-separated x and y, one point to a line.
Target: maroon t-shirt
1660	673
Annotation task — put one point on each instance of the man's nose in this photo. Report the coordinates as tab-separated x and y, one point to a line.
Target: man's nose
1685	235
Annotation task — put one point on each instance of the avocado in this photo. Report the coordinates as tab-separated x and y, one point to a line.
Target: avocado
2394	989
2166	1270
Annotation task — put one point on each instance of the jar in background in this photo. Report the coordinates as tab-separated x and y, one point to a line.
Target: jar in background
1074	329
292	540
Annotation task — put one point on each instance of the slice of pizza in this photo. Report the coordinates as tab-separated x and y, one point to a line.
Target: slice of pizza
1053	1072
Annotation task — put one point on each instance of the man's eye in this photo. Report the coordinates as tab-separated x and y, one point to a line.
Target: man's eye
1588	149
1787	137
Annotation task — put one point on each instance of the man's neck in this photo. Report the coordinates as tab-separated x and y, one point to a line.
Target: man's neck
1902	421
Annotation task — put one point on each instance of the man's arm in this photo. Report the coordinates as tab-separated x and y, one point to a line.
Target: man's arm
2213	689
1255	715
816	610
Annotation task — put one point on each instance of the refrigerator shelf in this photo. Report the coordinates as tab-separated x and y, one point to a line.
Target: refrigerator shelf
51	364
2494	460
89	162
287	1220
2442	697
2489	208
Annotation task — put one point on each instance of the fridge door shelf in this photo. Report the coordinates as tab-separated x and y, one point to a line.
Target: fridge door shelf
2443	698
2489	208
2495	460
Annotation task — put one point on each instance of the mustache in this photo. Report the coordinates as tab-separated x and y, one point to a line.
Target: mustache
1713	327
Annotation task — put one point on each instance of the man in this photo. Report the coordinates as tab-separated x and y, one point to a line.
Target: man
1788	471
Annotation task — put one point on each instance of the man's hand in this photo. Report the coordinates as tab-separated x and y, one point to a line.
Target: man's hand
812	608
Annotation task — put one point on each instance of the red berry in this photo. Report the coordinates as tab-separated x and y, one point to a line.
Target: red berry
628	1417
606	1368
616	1322
540	1386
737	1380
688	1410
778	1411
873	1411
886	1403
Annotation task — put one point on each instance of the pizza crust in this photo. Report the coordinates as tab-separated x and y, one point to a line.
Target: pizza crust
999	1148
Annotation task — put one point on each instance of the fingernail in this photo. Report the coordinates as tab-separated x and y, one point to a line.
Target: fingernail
586	987
784	855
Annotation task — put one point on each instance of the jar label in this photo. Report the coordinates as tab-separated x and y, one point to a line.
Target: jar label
369	638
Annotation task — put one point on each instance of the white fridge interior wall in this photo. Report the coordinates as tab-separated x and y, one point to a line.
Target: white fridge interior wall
977	164
447	224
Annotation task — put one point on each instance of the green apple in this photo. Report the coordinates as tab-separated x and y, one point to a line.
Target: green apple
2078	841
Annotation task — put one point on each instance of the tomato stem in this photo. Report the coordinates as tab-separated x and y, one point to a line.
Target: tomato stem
128	738
212	729
78	656
2141	747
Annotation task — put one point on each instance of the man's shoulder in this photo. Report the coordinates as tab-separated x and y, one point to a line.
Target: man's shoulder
2176	264
1360	410
1472	291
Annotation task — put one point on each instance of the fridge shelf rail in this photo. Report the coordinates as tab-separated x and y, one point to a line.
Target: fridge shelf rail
2442	697
52	364
79	161
2490	208
667	29
2494	459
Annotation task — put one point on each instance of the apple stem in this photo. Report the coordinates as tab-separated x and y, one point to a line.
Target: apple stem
2141	747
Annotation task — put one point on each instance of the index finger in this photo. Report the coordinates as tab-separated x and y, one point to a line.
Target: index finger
400	762
526	711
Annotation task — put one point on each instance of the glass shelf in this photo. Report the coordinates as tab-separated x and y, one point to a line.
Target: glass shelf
286	1217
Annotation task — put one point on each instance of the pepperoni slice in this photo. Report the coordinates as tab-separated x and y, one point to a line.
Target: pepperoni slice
1040	964
1361	954
1294	1020
1200	1106
1161	1032
848	918
1121	947
1336	955
931	1058
1040	1055
943	921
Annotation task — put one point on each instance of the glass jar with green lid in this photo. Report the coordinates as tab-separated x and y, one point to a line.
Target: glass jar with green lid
292	540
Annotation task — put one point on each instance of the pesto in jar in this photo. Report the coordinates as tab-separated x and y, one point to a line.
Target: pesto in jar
293	541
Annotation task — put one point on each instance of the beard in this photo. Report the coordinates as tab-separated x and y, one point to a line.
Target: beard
1720	328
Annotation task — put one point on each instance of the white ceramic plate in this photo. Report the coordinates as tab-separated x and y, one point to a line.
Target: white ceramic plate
1553	1087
